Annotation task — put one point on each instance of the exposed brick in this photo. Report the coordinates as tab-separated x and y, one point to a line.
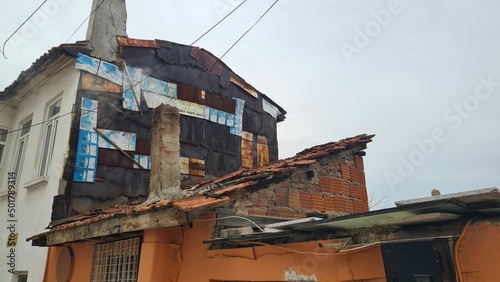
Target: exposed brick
358	206
297	185
345	188
318	202
339	203
257	212
325	183
273	212
358	160
355	174
260	203
362	179
306	200
354	189
365	206
329	202
363	194
265	194
349	206
287	212
299	215
336	187
281	196
294	199
244	203
346	172
339	162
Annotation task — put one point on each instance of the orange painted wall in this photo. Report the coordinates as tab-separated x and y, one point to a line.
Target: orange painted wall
163	258
270	263
479	252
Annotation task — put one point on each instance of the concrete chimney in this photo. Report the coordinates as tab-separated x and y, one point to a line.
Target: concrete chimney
165	154
108	19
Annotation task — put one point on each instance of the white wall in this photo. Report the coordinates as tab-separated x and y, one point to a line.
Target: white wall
34	204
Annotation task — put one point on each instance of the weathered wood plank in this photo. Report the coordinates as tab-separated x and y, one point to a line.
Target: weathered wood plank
156	219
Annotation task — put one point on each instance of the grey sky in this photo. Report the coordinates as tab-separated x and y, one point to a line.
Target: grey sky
416	72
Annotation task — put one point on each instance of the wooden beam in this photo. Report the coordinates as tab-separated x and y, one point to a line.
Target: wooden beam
155	219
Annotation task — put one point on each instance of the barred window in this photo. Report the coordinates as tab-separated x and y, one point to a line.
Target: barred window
116	261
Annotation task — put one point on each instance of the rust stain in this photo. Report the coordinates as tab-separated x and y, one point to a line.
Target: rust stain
244	85
95	83
262	154
125	41
196	167
208	60
246	153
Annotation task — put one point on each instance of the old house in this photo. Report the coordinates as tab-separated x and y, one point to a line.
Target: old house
165	238
75	128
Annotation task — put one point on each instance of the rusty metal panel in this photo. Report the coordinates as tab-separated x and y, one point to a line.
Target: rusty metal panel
143	146
262	154
113	158
95	83
196	167
224	104
247	149
190	93
208	60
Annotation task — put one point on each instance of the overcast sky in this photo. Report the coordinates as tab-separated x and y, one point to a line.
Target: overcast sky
422	75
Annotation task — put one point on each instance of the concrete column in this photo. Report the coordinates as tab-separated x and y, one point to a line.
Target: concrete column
108	20
165	154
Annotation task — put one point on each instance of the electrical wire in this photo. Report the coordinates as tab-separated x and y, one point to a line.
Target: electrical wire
238	40
84	21
3	47
166	63
232	216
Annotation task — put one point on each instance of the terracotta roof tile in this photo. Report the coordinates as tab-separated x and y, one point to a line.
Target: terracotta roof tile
219	191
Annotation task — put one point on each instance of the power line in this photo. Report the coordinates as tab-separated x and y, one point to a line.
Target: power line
238	40
97	7
178	54
3	47
36	124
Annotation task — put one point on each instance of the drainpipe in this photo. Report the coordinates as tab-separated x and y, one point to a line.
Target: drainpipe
108	19
165	154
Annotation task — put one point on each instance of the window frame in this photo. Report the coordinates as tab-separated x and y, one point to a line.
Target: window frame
49	137
4	132
24	133
123	254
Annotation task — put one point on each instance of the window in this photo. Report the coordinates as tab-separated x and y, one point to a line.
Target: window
21	148
49	137
22	278
116	261
3	140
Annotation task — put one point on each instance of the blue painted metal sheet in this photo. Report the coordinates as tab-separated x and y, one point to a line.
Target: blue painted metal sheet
125	140
87	63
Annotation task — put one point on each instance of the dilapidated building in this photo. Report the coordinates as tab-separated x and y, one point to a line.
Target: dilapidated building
76	126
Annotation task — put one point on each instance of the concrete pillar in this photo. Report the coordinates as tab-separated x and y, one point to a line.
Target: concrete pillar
108	20
165	154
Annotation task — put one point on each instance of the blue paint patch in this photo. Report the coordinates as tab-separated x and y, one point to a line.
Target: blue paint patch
229	119
110	72
221	118
129	101
125	140
213	115
144	160
237	126
87	63
86	157
161	87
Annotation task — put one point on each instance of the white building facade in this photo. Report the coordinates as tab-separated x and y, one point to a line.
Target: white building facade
35	121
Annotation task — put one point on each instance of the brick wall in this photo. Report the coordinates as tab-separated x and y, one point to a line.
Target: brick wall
334	185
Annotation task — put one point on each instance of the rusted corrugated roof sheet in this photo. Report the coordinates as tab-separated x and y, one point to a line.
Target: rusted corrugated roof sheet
219	191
